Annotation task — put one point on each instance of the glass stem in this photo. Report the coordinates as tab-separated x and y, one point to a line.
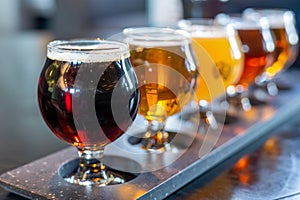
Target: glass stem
238	97
268	83
272	88
156	138
91	166
207	118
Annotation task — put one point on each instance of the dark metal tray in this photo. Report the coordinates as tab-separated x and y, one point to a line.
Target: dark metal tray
41	180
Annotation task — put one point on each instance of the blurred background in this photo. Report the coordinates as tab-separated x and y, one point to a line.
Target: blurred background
103	18
26	26
77	18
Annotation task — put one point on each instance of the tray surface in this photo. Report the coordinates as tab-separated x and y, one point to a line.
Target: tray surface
172	170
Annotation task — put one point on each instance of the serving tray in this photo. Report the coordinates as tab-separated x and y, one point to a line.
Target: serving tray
157	175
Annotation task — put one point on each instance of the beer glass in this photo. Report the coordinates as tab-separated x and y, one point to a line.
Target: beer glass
167	74
258	47
81	87
282	23
224	47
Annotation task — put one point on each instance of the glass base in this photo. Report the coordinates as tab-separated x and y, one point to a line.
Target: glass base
103	177
154	144
228	118
229	109
267	83
207	118
97	179
238	100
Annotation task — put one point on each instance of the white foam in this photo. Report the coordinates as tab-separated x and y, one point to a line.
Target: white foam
87	51
204	28
155	37
213	33
277	18
246	26
150	44
276	23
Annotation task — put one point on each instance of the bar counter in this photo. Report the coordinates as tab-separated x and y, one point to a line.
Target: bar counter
266	170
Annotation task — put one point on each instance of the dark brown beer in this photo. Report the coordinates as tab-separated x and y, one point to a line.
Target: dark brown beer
57	90
257	56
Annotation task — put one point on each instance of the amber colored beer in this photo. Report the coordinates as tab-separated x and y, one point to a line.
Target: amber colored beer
167	73
282	24
257	56
165	77
281	51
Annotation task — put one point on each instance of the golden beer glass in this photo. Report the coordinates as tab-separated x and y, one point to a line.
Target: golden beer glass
224	48
283	25
167	75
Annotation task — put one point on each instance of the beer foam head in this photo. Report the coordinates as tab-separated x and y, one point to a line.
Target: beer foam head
209	34
204	28
88	50
245	24
209	31
155	36
277	18
191	23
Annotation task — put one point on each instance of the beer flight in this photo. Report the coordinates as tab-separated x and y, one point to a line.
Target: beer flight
91	90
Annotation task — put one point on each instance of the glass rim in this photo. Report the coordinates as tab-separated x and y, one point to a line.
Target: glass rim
265	11
197	22
156	36
277	17
87	50
248	24
205	27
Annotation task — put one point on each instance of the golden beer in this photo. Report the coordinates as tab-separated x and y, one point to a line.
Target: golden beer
167	73
224	48
228	62
159	69
220	50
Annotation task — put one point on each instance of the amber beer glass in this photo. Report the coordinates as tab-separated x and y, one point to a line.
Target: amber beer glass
166	70
282	23
80	83
258	47
224	47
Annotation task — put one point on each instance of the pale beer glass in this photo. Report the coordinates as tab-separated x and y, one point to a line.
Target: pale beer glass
224	48
167	74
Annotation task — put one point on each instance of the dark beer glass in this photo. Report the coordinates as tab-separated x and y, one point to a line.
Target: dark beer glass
81	86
